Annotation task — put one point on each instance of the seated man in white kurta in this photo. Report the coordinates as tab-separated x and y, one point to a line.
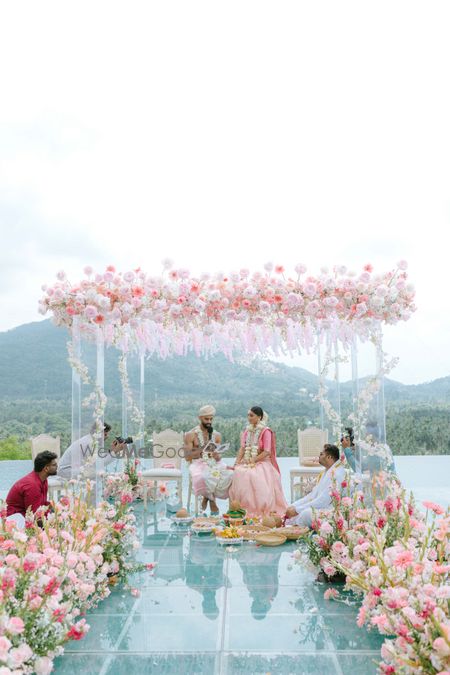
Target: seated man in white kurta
301	511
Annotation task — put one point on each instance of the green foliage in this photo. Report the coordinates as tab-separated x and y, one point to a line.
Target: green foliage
12	448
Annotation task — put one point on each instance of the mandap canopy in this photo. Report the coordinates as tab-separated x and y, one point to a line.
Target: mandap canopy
260	313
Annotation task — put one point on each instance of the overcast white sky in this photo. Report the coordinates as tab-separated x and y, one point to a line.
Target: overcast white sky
225	135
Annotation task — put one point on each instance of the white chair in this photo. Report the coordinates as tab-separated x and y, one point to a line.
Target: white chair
196	497
310	444
56	485
167	452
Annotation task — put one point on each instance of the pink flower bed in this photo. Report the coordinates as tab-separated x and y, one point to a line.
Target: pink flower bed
50	576
398	560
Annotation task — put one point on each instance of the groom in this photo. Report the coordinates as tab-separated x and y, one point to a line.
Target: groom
300	512
211	478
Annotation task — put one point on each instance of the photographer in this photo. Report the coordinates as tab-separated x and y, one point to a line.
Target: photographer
79	459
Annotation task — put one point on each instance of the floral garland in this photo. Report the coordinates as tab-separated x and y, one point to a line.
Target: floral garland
210	461
258	312
358	418
321	396
251	449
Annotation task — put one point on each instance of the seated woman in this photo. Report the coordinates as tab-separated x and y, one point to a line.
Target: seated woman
257	482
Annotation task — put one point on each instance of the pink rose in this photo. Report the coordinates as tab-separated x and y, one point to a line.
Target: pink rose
20	654
441	646
330	593
15	625
5	645
434	507
361	616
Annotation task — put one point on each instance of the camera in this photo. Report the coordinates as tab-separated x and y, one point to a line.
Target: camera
126	440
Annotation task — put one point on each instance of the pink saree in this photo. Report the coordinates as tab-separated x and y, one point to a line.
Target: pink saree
258	489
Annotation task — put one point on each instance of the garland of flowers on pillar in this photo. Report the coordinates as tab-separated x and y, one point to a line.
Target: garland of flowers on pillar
359	416
97	396
361	403
321	396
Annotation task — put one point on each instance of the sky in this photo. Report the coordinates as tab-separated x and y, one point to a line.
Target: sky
226	135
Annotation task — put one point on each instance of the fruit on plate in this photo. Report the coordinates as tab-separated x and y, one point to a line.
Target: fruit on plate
182	513
228	533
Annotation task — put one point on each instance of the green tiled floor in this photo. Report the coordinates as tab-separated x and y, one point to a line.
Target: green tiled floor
209	611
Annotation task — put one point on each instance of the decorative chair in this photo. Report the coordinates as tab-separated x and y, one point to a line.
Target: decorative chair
56	485
310	444
166	463
196	498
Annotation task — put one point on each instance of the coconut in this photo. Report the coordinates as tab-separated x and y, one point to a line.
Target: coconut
277	519
269	521
234	505
182	513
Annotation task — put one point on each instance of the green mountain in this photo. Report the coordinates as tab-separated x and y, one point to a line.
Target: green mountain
33	365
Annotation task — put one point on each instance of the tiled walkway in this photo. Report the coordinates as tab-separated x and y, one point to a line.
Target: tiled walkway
206	610
209	611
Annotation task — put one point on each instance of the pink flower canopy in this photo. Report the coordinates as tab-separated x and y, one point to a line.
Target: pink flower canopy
259	312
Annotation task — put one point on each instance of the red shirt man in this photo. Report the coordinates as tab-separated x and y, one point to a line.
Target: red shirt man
31	490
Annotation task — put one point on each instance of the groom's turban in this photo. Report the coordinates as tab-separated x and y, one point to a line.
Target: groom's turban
206	411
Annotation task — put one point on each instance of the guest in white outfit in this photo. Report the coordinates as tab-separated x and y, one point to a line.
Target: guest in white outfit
300	512
79	458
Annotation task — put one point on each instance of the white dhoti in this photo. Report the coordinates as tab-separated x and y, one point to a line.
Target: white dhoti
319	497
210	481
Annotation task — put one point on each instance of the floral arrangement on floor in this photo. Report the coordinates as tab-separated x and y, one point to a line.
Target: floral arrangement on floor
174	312
129	485
398	560
50	576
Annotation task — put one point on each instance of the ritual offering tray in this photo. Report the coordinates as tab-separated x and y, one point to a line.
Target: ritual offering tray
270	538
292	533
215	520
182	517
228	535
235	517
203	528
249	532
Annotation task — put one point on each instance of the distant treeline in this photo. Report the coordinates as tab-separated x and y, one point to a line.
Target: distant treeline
411	429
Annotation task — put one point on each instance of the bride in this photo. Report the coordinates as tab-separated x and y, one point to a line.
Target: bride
257	482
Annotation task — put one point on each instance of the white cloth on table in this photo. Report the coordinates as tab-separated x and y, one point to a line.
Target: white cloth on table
79	459
319	497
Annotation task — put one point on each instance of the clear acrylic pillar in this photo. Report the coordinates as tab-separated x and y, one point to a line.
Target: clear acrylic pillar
337	379
124	401
99	416
320	376
355	402
76	394
141	436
